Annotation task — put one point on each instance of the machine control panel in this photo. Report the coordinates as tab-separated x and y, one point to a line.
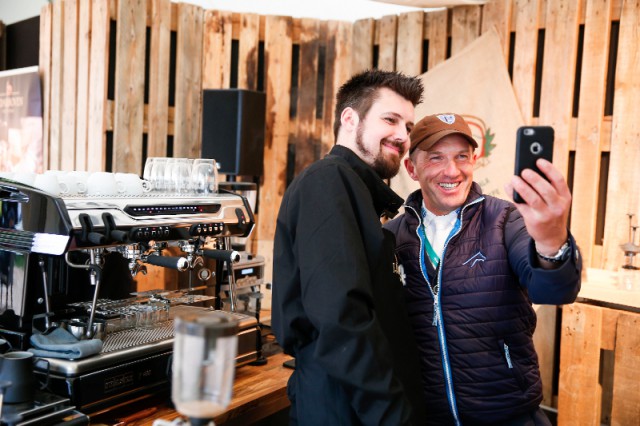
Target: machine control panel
171	209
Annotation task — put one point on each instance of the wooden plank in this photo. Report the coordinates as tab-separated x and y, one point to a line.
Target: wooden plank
609	321
387	42
626	379
622	193
544	340
278	59
589	132
248	54
320	115
337	72
129	86
57	64
435	32
188	96
465	26
98	74
527	13
44	69
409	53
82	112
497	14
307	146
578	389
362	57
558	73
69	86
216	61
159	62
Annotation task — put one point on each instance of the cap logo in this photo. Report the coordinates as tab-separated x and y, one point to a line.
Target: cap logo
447	118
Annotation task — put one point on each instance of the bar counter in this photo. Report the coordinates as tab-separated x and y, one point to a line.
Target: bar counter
258	392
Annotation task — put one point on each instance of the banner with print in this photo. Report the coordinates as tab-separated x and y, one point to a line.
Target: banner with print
20	120
475	83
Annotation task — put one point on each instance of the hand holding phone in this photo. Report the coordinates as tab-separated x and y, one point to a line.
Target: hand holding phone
532	142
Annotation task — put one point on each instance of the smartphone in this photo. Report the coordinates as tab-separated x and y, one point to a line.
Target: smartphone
532	142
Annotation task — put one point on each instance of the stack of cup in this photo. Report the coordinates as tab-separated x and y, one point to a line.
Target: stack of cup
182	176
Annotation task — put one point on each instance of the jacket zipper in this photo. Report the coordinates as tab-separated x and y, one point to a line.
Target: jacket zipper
437	314
507	355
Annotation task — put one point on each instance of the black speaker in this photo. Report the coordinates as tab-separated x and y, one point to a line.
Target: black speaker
233	130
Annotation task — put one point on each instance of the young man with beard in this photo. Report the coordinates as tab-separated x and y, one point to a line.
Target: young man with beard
338	305
473	265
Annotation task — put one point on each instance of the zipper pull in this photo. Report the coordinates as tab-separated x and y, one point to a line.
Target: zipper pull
507	356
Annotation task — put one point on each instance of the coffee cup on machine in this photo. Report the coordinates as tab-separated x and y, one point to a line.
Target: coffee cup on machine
76	181
131	184
17	368
26	178
50	183
103	184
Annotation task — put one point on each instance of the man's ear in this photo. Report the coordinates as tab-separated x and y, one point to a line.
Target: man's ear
411	169
349	119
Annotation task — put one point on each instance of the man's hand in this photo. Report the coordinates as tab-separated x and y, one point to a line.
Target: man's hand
546	211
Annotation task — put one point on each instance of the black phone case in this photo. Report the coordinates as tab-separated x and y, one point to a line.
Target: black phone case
532	142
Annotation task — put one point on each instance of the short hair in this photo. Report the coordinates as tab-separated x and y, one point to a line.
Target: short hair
361	91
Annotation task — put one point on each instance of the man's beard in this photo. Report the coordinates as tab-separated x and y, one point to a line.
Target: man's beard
386	168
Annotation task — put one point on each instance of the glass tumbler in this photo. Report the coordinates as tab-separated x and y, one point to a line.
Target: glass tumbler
204	176
154	172
204	352
178	176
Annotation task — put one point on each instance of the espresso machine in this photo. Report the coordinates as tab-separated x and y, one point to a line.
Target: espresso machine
64	258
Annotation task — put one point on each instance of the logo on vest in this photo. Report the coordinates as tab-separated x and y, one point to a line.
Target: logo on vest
478	257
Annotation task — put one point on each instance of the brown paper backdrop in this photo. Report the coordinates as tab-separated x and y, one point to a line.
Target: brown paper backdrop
475	84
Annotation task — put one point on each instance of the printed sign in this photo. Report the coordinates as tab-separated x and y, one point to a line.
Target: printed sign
20	121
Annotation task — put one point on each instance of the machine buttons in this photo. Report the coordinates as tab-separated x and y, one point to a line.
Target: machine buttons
150	233
206	229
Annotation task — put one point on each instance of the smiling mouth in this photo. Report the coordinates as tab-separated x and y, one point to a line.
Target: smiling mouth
393	147
449	185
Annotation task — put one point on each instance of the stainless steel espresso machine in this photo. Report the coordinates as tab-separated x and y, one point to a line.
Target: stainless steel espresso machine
73	259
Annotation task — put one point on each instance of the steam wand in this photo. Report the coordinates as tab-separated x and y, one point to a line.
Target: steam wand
230	257
95	276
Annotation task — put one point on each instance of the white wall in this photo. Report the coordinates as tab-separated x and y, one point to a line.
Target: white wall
346	10
12	11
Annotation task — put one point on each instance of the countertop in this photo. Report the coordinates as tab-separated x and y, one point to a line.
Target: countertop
258	392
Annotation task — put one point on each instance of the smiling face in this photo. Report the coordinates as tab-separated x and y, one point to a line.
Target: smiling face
445	173
381	138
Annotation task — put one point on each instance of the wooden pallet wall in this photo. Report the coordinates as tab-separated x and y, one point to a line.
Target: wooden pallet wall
599	367
107	69
122	80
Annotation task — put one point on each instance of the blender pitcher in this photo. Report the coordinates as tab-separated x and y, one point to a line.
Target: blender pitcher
204	353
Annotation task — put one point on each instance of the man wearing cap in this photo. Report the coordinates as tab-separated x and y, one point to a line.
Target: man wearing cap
473	266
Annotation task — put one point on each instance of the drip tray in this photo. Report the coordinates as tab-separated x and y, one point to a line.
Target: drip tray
127	345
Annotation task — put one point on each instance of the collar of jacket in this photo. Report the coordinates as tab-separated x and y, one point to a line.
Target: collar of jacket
414	200
385	200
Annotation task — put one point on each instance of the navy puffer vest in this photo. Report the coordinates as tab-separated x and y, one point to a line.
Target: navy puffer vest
487	318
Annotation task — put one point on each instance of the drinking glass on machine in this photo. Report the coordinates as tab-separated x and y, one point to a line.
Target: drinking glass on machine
204	176
204	352
154	172
179	171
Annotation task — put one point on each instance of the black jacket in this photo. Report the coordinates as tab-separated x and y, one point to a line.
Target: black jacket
337	304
